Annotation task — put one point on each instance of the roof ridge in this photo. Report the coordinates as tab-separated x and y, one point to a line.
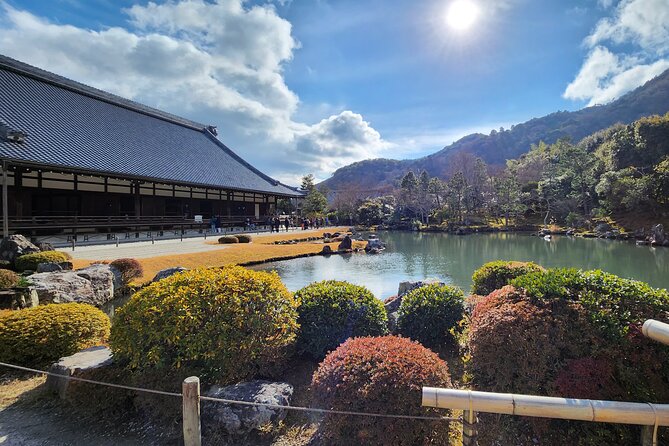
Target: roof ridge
39	74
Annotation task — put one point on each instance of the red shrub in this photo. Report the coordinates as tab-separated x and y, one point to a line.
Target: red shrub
130	269
586	378
380	375
495	299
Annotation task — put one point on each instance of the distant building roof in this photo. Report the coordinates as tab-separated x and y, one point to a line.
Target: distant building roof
70	125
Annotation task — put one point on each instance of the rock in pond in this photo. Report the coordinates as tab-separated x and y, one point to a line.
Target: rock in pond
167	272
15	246
240	420
393	305
93	285
346	244
91	358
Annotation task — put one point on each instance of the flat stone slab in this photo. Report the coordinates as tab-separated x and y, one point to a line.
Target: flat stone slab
91	358
240	420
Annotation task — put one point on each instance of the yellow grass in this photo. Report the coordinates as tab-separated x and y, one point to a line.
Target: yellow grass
262	248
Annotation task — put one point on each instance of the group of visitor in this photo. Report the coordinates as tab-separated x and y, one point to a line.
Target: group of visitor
314	223
275	224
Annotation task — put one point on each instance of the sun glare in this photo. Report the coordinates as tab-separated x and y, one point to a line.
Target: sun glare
462	14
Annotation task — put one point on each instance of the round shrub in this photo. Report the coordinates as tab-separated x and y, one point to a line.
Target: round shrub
30	261
35	336
244	238
8	279
130	269
332	311
228	239
380	375
494	275
230	322
431	315
568	333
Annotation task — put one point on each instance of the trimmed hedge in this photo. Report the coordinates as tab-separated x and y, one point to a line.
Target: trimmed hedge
332	311
228	239
380	375
30	261
38	335
232	323
494	275
244	238
8	279
568	333
431	315
130	269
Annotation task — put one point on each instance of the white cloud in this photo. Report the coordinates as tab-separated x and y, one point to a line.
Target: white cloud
641	29
217	62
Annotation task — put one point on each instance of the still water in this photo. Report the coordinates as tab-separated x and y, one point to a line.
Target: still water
453	259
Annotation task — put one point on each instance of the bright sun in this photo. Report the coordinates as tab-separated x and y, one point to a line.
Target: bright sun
462	14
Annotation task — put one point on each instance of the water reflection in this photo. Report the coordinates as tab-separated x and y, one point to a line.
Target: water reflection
453	259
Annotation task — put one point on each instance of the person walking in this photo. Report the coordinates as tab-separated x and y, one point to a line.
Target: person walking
286	223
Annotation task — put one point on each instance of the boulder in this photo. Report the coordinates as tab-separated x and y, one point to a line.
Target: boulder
346	244
15	246
75	365
410	285
50	267
17	298
164	273
240	420
602	228
657	236
93	285
374	244
326	250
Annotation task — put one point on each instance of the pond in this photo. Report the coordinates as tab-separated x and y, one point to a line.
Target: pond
453	259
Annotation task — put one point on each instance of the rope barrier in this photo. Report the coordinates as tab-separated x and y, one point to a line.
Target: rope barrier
236	402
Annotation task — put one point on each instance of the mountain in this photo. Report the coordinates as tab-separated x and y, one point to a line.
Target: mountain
379	175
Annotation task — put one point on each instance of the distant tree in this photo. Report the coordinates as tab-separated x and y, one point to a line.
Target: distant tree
315	201
370	212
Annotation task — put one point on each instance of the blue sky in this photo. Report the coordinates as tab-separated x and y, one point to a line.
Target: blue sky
310	85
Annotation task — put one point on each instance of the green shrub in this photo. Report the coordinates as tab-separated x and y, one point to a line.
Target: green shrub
130	269
380	375
494	275
244	238
568	333
231	323
228	239
332	311
35	336
8	279
431	315
30	261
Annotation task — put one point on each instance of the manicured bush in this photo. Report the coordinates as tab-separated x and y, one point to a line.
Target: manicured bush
494	275
380	375
244	238
332	311
431	315
38	335
30	261
228	239
568	333
232	323
8	279
130	269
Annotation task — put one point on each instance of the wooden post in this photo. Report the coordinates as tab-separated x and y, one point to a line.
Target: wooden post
469	432
191	411
5	205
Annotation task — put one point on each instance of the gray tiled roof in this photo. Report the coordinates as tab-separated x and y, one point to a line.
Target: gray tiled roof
74	126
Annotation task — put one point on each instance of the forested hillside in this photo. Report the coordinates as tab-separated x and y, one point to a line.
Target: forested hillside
381	175
619	171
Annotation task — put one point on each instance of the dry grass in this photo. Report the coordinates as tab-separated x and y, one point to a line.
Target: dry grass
262	248
14	386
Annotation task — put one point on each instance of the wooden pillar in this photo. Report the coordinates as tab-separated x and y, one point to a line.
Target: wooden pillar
191	411
5	204
647	436
138	202
469	433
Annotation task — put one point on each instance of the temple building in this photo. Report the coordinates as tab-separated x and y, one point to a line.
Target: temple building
79	160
